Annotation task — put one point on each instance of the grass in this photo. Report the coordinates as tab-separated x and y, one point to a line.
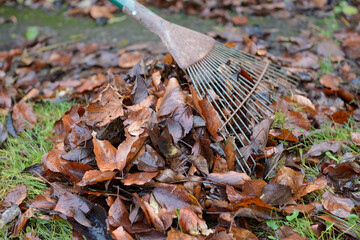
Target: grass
19	153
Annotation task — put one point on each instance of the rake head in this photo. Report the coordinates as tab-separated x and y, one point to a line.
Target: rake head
240	87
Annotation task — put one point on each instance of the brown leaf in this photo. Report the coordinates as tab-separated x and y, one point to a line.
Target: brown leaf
319	148
180	123
305	103
355	138
169	175
339	206
299	119
342	225
106	155
306	209
31	236
253	188
192	224
138	120
128	149
22	221
106	107
255	208
287	176
242	233
23	116
230	178
234	195
240	20
294	236
121	234
17	195
139	178
329	48
100	11
277	194
200	163
75	207
178	235
208	112
150	160
341	116
173	98
5	103
118	214
43	201
130	59
94	176
230	152
171	197
330	81
317	184
283	134
155	219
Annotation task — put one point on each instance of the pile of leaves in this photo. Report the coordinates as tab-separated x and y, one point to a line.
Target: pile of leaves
142	160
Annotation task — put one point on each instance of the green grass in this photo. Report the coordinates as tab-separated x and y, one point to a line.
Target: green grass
19	153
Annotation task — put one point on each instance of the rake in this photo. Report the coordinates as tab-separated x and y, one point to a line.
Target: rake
238	85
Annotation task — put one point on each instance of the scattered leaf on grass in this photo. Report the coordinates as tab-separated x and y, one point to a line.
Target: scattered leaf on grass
277	194
338	206
341	116
23	116
17	195
319	148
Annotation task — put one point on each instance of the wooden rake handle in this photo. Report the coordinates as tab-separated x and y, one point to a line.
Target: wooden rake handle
142	15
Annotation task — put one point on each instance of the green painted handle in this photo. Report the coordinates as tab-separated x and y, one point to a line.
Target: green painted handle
142	15
119	3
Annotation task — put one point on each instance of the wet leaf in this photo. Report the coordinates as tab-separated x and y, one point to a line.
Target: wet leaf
234	195
75	207
209	114
139	178
341	116
231	178
129	60
200	163
127	150
94	176
288	177
321	147
121	234
192	224
255	208
171	197
339	206
106	107
178	235
317	184
277	194
150	160
43	201
23	116
17	195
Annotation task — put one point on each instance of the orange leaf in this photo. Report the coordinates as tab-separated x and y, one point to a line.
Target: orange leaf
139	178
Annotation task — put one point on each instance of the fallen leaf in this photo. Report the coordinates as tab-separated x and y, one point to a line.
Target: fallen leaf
306	209
106	107
341	116
106	155
43	201
173	98
342	225
298	119
200	163
192	224
139	178
305	103
127	150
339	206
171	197
317	184
121	234
288	177
242	233
17	195
277	194
208	112
29	213
253	188
355	138
319	148
95	176
178	235
255	208
130	59
231	178
283	134
23	116
149	161
233	195
230	152
330	81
